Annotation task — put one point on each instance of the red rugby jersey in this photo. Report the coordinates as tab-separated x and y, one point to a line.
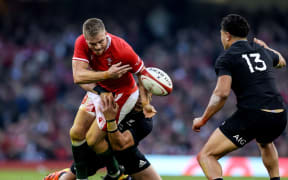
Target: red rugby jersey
118	50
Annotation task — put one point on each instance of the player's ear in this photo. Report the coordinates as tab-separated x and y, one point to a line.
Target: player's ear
228	36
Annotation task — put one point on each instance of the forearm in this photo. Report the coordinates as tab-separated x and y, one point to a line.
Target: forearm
282	61
118	140
143	95
89	76
215	104
88	87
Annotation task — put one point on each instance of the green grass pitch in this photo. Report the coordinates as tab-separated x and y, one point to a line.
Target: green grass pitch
33	175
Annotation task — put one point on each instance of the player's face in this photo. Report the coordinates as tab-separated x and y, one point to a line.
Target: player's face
97	43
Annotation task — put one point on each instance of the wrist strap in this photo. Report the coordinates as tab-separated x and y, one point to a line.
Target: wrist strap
111	126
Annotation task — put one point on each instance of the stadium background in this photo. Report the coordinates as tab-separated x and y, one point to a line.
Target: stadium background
38	99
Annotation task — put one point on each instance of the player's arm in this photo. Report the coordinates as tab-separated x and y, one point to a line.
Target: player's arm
82	74
130	57
282	61
118	140
148	109
217	101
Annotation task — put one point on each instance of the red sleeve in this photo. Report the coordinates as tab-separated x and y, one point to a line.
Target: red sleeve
81	50
129	56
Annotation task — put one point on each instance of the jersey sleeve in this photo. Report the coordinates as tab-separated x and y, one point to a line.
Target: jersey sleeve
274	56
80	50
141	129
223	66
129	56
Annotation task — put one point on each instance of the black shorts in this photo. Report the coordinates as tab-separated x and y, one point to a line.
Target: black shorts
245	125
132	160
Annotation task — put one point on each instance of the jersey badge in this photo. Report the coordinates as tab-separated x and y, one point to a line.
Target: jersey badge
109	60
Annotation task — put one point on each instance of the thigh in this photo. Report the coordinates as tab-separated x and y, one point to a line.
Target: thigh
271	126
148	173
82	121
96	138
240	127
218	145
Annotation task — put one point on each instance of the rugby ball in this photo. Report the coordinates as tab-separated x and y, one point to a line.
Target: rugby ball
156	81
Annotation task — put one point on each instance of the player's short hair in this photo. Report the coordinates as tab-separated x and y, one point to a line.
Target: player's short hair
92	27
236	25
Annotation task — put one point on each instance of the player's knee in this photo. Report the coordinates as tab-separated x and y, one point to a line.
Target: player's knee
77	133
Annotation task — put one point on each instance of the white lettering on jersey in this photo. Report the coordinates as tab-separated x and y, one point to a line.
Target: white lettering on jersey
239	139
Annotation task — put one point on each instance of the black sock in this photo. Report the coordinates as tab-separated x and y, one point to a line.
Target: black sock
275	178
218	179
110	161
80	155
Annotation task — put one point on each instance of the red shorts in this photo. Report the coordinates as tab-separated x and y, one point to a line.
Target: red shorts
126	102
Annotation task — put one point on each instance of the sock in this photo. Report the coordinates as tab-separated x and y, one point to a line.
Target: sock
218	179
79	150
110	162
275	178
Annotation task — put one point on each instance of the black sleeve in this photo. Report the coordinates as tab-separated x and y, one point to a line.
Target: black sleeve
273	55
223	66
141	129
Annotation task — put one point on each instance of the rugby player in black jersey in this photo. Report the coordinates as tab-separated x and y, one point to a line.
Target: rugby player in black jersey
124	140
247	68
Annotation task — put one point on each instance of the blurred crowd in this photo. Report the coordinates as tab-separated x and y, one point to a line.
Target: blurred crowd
38	100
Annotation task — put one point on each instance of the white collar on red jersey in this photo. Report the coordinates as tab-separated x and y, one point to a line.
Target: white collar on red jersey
109	41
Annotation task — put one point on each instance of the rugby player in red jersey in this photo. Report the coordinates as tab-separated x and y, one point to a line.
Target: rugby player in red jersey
109	61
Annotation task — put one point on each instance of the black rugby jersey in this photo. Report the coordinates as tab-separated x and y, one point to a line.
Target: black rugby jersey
137	124
253	81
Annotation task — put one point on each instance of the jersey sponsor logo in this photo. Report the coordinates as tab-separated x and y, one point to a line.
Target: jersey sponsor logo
240	139
142	163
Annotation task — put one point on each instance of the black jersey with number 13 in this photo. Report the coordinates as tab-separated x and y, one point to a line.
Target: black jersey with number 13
251	69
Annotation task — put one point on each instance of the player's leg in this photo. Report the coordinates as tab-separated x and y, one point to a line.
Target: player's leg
148	173
271	127
217	146
68	176
82	122
270	159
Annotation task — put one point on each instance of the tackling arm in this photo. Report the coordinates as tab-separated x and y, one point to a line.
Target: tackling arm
148	109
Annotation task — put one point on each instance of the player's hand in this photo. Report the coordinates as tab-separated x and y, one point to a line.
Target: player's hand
149	111
117	71
109	107
261	43
197	124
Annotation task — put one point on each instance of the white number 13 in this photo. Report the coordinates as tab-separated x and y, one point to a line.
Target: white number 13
257	59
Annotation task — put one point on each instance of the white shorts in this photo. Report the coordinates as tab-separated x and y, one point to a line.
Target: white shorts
92	103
